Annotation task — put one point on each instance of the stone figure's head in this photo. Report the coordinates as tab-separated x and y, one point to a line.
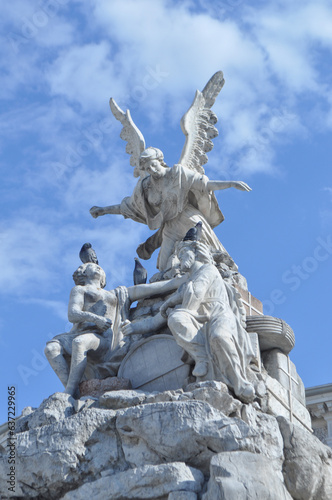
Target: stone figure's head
89	271
152	161
189	251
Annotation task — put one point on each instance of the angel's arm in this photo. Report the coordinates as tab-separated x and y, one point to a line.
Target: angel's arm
111	209
218	185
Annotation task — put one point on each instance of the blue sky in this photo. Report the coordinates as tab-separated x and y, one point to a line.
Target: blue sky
61	153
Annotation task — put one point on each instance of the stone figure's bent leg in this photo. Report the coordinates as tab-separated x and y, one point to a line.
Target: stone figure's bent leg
54	352
185	330
80	347
227	361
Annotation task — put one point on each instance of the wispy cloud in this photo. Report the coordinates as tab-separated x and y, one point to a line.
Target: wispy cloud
59	308
150	56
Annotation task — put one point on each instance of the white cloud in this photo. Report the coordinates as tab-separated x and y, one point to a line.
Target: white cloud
292	36
83	74
154	54
265	63
150	56
58	307
27	247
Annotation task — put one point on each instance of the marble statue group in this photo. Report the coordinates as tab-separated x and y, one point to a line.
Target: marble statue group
192	297
177	386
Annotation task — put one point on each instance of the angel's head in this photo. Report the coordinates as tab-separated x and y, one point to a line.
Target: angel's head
151	161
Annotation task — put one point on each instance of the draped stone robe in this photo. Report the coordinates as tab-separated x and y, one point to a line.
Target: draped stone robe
184	201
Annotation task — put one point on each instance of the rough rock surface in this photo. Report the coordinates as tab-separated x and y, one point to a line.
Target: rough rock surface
242	475
308	463
96	387
149	481
200	443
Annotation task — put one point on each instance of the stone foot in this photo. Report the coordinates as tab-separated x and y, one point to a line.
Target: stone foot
246	394
200	369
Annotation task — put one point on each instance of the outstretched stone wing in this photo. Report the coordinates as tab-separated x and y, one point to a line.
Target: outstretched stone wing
198	125
130	133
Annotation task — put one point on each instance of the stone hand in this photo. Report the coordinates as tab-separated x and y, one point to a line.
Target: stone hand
163	309
96	212
127	328
103	323
242	186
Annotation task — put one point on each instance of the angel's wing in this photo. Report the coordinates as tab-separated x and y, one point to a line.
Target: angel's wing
198	125
130	133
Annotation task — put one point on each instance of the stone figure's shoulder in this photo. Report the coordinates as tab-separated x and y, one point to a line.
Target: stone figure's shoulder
179	168
211	270
111	295
77	290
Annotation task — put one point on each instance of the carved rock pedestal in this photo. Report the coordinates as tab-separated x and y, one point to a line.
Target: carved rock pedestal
197	443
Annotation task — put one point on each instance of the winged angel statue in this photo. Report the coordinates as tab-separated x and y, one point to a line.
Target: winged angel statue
171	200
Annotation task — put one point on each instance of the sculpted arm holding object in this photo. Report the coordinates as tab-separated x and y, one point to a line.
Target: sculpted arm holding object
159	320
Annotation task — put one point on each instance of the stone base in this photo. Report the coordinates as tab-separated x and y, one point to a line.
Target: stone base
279	366
176	445
280	402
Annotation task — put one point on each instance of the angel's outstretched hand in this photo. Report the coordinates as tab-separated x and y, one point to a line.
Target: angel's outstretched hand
96	212
242	186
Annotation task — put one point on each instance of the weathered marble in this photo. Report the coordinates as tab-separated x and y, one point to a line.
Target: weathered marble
279	366
210	422
155	364
273	333
241	475
204	431
146	482
279	401
172	200
93	347
170	445
97	387
206	317
182	495
50	459
307	467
